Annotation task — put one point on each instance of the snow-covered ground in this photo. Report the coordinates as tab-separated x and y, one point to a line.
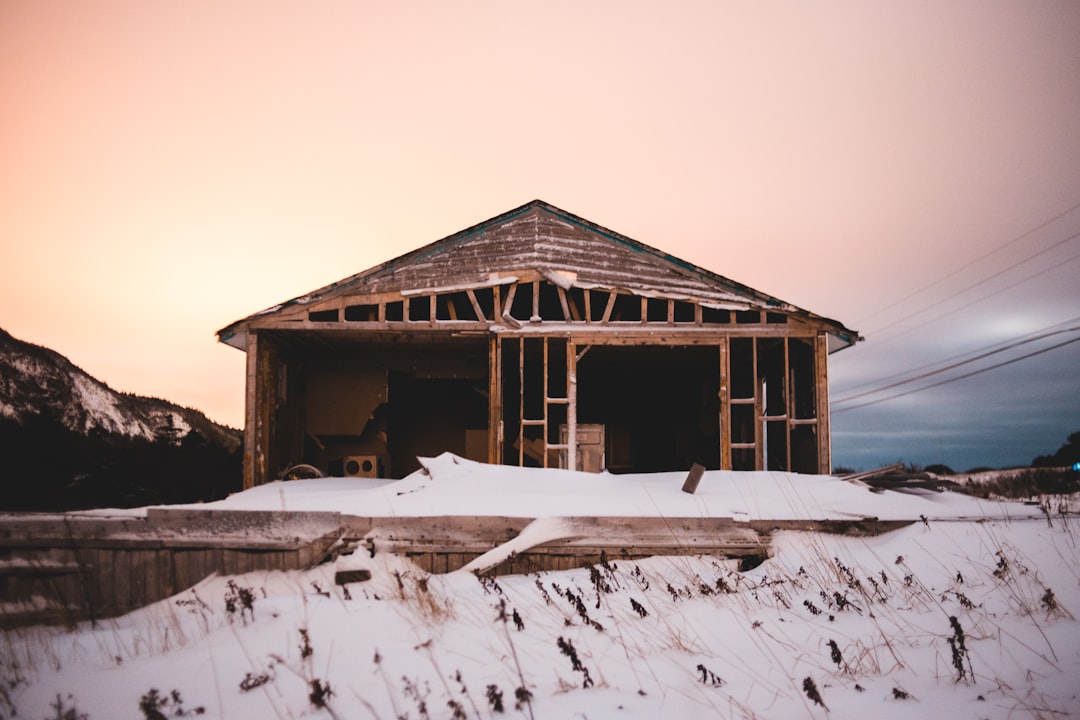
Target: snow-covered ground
450	485
968	614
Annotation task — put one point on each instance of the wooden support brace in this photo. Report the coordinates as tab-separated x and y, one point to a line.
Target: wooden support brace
475	305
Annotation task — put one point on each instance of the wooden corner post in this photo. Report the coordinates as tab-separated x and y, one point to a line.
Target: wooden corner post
821	369
250	419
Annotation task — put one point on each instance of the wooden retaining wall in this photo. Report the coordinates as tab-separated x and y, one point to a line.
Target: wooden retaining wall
68	568
63	569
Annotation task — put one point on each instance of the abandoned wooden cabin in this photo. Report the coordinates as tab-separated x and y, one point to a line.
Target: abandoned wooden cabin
536	338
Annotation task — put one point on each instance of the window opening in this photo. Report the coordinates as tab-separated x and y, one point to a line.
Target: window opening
419	309
550	304
657	310
598	304
627	308
362	313
713	316
684	311
521	305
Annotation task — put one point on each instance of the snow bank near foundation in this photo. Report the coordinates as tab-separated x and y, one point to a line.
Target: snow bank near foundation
450	485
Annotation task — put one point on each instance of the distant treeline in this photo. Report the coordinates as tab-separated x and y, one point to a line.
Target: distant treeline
1067	454
46	467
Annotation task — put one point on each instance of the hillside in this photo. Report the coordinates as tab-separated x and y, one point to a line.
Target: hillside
86	445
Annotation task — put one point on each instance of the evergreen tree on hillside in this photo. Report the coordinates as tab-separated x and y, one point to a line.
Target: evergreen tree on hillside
1067	454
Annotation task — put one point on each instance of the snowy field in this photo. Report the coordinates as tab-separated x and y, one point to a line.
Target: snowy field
968	614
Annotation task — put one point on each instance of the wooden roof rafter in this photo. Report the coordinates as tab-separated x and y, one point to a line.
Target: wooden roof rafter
535	243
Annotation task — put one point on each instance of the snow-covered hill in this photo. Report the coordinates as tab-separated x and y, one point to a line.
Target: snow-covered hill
37	381
69	441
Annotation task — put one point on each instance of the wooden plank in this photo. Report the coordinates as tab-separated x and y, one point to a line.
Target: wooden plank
96	569
821	355
250	408
144	576
790	393
508	303
725	406
495	406
567	316
476	305
759	412
693	478
571	405
608	308
119	594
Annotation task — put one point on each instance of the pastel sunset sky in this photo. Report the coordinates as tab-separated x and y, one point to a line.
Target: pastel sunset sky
911	169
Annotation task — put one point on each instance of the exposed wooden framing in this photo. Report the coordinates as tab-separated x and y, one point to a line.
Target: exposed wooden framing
589	329
571	404
821	348
725	406
495	418
399	306
476	305
508	303
623	327
759	412
565	306
634	334
608	308
302	318
521	400
251	420
788	408
545	388
265	395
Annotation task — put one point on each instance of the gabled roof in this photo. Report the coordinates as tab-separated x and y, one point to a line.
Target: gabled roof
541	237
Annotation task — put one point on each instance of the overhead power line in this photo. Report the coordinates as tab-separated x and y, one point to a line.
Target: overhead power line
953	311
953	366
958	377
976	284
933	283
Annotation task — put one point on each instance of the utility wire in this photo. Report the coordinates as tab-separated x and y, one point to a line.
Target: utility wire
1010	286
958	377
1045	332
955	365
982	257
982	282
